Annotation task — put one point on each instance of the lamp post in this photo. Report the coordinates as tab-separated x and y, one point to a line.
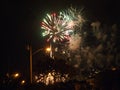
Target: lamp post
31	56
30	49
16	75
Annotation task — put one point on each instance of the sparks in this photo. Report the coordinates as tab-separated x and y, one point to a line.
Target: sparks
59	26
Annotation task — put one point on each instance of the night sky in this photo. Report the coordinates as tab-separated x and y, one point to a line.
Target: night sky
20	25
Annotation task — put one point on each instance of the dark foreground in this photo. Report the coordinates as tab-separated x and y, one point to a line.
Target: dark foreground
107	80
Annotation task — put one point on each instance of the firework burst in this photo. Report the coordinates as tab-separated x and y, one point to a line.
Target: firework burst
59	26
55	27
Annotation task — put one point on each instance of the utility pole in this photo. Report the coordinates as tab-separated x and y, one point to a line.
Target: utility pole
31	56
30	48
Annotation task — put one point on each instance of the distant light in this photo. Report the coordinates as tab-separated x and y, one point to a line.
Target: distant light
51	77
7	74
113	69
63	52
23	82
16	75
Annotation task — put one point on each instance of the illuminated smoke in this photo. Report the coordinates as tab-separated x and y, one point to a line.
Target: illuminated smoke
92	50
74	42
96	51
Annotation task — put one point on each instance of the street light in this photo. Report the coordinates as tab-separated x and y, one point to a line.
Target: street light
22	82
48	49
16	75
33	53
